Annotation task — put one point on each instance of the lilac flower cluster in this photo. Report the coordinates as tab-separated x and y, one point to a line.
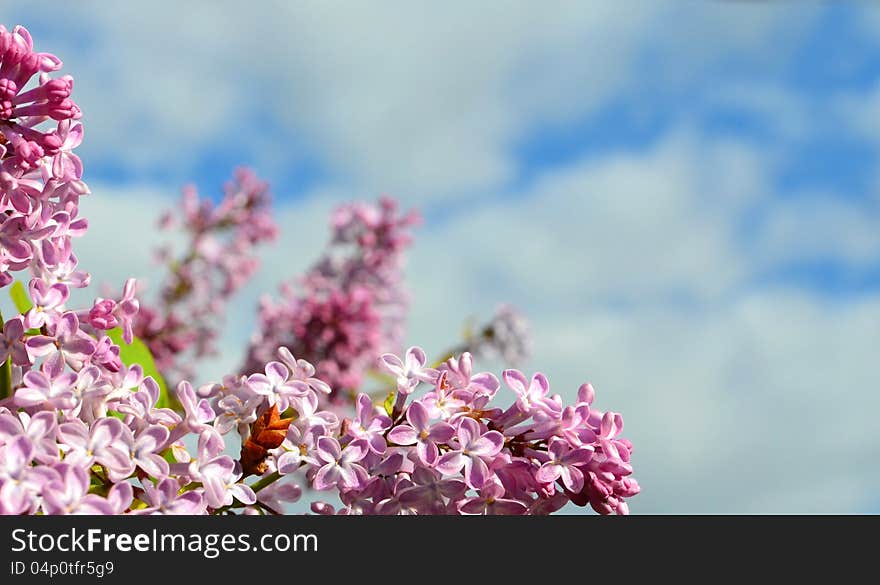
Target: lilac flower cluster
40	176
83	432
350	306
218	260
452	452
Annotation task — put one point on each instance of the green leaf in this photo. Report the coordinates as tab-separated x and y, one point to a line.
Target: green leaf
20	297
389	403
22	303
137	352
6	379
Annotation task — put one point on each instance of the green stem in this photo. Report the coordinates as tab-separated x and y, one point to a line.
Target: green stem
266	481
5	373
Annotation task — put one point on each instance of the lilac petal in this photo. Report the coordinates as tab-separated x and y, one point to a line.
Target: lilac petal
117	461
391	363
452	488
328	449
54	364
418	417
473	507
442	432
93	505
548	473
403	435
415	358
428	452
26	396
486	382
73	434
38	381
355	451
539	385
277	373
288	462
154	465
515	380
451	463
378	444
327	477
67	326
364	408
488	445
476	473
120	496
10	427
40	345
243	493
153	438
319	385
215	491
204	412
105	432
468	430
580	456
260	384
508	508
189	503
347	477
572	478
606	429
19	453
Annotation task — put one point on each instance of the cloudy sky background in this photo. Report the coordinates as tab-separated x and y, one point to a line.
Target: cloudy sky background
683	197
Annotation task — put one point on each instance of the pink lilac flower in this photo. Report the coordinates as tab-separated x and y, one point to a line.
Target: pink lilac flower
144	451
39	429
491	500
422	433
237	411
46	298
565	462
276	386
19	483
531	395
69	494
442	402
410	370
101	443
303	371
165	498
220	478
474	446
198	411
369	425
299	448
12	342
65	343
45	392
106	313
430	490
340	466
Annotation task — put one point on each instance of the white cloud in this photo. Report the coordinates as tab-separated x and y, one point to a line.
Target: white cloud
820	227
401	97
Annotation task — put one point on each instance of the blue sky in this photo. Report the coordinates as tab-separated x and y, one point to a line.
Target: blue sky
682	197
